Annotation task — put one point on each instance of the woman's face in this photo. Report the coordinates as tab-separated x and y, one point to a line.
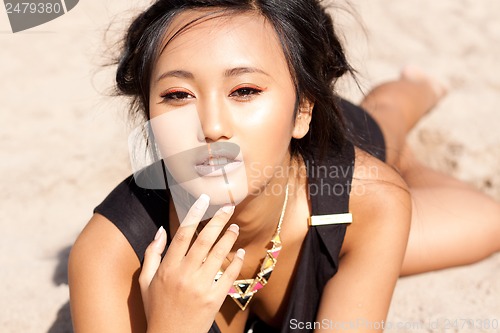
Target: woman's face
222	106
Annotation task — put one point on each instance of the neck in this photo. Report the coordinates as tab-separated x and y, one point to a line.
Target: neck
258	215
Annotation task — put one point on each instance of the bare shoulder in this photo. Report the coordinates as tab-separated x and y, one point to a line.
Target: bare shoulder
101	234
380	200
103	270
372	175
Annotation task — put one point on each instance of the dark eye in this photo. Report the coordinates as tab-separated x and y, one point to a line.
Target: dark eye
176	96
245	92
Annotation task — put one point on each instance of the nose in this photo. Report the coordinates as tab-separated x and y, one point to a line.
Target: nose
215	121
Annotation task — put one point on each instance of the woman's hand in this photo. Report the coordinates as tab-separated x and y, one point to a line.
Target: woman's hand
179	293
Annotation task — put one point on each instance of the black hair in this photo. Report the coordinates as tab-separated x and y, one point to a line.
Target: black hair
313	51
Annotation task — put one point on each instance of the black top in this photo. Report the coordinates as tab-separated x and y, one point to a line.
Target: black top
138	213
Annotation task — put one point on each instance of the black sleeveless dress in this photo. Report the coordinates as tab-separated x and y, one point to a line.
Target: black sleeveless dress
138	213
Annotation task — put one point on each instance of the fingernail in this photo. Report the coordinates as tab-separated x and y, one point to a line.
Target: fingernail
234	228
240	254
158	233
202	202
229	209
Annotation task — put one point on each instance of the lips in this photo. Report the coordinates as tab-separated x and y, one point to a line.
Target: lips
217	159
217	151
211	160
216	170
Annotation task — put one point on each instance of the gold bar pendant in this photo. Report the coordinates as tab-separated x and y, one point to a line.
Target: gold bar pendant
317	220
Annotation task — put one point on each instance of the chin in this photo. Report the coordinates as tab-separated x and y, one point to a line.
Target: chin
224	189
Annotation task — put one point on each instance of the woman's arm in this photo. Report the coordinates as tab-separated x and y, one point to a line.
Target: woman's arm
179	292
357	298
103	279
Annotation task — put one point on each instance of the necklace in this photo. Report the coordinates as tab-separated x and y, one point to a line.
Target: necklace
243	291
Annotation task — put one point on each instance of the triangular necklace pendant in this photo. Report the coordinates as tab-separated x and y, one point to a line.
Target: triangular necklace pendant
243	291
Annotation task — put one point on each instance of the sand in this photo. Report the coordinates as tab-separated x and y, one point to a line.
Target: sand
63	145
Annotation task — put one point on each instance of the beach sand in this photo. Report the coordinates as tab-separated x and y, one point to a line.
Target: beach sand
64	145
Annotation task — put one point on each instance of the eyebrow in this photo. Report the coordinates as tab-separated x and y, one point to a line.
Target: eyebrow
177	73
228	73
243	70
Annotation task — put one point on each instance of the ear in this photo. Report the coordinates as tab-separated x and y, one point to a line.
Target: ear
303	119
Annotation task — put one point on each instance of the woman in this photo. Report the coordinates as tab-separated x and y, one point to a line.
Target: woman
238	96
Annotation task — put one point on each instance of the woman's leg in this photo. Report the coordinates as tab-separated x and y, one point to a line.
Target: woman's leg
452	223
397	106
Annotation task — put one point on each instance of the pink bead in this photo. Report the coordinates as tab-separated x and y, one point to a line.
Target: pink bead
258	286
276	254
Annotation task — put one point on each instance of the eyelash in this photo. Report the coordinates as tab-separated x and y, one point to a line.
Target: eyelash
175	95
245	93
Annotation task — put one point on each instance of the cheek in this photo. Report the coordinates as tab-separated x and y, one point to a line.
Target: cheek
176	131
267	130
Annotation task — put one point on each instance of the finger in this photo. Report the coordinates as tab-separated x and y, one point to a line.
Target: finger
207	237
182	238
152	260
219	252
225	282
